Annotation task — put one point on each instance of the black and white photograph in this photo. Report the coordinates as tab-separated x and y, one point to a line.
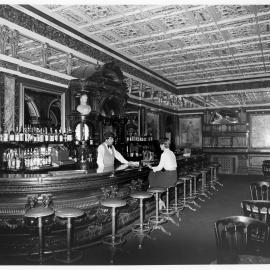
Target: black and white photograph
134	134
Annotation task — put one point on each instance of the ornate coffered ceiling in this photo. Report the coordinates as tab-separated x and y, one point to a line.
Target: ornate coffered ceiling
184	44
187	47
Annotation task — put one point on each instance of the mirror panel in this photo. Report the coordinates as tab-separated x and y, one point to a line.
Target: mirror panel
42	108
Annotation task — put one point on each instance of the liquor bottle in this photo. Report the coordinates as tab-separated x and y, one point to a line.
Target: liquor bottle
65	135
49	157
91	142
69	135
11	136
56	137
34	134
37	134
60	137
41	135
17	134
46	135
51	136
21	135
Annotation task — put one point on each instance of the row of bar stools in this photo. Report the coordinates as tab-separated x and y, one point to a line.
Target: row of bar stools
69	213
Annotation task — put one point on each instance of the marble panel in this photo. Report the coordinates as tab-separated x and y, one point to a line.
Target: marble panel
9	102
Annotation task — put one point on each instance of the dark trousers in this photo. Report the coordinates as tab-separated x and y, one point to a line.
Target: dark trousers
163	179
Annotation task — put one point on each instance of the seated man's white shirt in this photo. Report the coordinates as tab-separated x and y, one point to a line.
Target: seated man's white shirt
167	161
101	152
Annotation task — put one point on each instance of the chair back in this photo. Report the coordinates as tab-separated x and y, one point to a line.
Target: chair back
257	209
266	168
260	190
240	235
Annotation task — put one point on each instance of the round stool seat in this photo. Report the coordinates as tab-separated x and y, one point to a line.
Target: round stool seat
113	203
215	164
156	190
194	174
204	171
184	178
69	212
179	182
39	212
141	195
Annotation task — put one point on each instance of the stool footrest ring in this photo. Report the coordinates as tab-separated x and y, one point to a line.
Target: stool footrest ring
74	256
167	212
157	220
141	228
117	240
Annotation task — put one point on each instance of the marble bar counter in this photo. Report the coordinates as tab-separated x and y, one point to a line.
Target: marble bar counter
83	189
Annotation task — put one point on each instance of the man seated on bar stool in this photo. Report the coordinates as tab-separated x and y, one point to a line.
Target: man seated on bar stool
165	174
106	153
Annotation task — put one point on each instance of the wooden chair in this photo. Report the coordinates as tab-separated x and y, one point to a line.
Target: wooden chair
260	190
237	235
266	169
257	209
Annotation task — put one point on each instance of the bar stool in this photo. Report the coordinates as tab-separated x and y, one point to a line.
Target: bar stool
168	211
39	213
113	239
186	200
141	227
212	184
215	177
204	184
177	206
69	213
195	194
157	220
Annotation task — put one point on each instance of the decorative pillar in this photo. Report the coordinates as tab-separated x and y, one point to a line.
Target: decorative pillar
9	102
4	38
14	43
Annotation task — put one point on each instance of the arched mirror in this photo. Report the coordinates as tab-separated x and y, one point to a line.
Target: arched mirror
41	107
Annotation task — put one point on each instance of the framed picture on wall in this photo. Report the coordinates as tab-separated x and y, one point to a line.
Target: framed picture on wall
152	125
260	131
190	132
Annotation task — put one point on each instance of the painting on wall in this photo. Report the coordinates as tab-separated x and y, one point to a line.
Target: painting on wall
260	131
190	132
152	125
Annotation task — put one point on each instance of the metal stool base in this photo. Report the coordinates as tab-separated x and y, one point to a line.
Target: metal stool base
39	259
141	228
167	212
117	240
73	257
157	220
